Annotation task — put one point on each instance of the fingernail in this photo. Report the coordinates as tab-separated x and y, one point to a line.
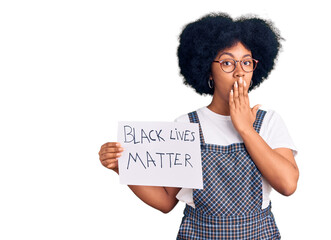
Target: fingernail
231	92
240	80
236	84
245	83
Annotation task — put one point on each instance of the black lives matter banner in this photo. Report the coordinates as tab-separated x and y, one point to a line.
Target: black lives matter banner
160	154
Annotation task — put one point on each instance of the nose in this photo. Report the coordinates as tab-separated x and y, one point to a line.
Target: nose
238	72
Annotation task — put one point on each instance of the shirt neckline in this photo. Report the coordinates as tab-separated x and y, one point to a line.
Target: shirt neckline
212	114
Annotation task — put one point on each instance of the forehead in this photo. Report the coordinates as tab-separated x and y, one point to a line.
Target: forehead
236	51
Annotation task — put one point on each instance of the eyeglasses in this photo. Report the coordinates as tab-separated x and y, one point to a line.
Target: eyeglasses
229	65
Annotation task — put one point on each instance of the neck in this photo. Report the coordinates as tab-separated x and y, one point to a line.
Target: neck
219	106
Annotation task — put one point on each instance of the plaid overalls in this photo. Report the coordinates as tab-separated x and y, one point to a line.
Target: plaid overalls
229	206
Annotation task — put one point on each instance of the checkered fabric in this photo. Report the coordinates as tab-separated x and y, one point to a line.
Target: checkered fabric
254	226
229	206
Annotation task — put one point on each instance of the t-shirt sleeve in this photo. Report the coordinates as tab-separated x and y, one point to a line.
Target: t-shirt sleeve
184	118
186	195
277	134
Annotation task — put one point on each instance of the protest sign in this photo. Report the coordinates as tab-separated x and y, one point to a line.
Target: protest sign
160	154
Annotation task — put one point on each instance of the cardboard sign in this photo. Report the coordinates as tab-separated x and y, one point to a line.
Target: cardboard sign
160	154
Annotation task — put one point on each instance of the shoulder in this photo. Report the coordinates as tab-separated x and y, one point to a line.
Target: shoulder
185	118
271	118
275	132
272	124
182	118
268	112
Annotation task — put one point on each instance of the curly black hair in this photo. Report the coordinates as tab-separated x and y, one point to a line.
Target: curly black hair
200	41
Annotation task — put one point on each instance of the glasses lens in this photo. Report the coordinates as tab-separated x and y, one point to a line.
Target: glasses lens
248	64
228	65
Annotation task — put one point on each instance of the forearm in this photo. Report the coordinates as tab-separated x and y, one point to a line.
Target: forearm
280	172
161	198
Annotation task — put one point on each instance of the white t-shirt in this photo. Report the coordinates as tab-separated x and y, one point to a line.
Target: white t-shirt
218	129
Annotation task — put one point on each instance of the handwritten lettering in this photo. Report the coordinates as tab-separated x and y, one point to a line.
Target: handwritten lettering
141	136
160	154
135	159
185	135
174	159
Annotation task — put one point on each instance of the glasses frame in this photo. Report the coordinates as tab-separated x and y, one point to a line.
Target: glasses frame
235	66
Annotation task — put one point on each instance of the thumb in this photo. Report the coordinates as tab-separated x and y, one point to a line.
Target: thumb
255	108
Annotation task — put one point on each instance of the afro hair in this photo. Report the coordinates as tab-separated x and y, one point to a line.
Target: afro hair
200	41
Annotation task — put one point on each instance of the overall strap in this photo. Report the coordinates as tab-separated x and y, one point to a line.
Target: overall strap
259	119
193	116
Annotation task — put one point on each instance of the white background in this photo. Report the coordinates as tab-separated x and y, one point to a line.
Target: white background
70	70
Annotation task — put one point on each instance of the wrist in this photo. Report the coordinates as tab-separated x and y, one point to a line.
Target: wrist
246	132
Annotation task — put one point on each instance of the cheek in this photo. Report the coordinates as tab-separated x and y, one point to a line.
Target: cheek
223	86
224	81
249	79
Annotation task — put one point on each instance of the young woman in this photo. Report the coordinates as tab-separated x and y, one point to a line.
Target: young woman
245	151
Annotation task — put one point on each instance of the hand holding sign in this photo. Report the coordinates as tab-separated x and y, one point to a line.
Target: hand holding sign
160	154
109	154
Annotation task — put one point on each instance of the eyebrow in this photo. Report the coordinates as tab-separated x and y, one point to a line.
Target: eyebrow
230	54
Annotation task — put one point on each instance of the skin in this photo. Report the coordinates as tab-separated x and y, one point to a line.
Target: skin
230	97
161	198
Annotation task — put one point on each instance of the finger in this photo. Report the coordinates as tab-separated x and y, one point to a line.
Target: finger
236	94
255	109
246	87
231	102
107	162
111	144
241	90
110	156
112	166
111	150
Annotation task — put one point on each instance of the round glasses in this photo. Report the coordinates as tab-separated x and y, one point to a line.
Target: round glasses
229	65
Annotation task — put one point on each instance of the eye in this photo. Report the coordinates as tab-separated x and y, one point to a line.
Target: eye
228	62
248	62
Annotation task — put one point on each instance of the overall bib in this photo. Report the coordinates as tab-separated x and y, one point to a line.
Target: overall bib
229	205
